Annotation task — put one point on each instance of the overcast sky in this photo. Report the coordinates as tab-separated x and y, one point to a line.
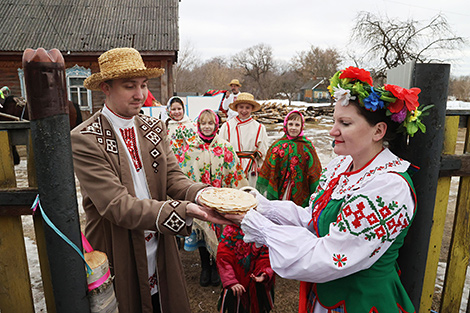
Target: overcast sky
224	28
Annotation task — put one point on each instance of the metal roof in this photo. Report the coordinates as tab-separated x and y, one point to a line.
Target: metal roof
314	83
89	25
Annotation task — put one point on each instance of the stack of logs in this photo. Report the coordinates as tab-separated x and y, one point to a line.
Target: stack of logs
272	112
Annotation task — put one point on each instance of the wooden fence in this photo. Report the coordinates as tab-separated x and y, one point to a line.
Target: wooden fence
15	286
459	250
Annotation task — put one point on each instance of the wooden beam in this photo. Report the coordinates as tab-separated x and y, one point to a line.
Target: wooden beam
439	217
455	165
15	285
164	88
459	253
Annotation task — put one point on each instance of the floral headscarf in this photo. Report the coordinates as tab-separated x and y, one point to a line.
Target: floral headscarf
302	121
216	128
169	103
291	169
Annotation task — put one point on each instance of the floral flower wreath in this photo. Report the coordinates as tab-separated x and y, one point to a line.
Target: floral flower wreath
401	104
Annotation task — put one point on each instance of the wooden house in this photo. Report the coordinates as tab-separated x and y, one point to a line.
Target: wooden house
82	30
315	90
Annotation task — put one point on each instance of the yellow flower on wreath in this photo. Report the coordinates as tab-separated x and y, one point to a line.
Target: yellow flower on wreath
415	115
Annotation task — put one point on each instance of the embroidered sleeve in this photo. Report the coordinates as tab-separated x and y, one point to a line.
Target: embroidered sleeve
171	218
367	225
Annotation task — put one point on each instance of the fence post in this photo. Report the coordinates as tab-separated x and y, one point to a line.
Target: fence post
439	217
424	150
50	131
459	254
15	284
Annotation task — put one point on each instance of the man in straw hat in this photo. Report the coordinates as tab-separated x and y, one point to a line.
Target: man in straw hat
230	97
246	135
127	171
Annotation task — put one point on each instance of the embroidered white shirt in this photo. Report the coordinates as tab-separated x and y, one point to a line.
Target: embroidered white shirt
127	126
378	205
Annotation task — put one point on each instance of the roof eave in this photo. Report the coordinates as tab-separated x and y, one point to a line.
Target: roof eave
91	55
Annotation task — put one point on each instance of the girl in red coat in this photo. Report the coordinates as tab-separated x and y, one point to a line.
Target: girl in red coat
246	274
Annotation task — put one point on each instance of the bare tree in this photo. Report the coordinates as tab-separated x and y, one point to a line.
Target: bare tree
459	87
216	74
257	63
316	62
188	59
392	42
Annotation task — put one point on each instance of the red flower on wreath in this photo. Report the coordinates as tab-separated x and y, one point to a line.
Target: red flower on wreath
357	73
408	97
282	153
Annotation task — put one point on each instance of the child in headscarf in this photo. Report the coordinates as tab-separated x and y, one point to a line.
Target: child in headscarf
212	160
291	167
181	130
246	274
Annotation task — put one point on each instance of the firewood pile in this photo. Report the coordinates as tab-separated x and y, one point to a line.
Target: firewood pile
273	112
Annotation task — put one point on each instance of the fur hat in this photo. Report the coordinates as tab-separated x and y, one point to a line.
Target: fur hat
120	63
245	97
235	82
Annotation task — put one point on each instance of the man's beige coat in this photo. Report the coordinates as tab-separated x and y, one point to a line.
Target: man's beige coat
116	219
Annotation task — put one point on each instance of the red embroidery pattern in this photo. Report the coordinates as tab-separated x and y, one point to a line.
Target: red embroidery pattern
339	260
153	281
360	216
150	236
128	135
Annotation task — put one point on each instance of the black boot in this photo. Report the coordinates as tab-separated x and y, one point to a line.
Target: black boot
205	278
215	278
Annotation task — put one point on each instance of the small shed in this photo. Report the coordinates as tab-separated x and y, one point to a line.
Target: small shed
315	90
82	30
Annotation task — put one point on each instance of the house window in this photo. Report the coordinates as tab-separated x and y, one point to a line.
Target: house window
75	91
22	86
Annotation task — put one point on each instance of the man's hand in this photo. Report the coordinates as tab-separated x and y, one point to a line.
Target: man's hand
238	290
206	214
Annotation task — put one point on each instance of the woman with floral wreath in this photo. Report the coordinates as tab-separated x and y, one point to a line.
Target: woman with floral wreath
345	246
212	160
291	167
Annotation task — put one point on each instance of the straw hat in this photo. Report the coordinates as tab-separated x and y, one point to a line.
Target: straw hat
245	97
235	82
120	63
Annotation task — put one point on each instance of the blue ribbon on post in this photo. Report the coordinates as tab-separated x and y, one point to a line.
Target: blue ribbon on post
37	204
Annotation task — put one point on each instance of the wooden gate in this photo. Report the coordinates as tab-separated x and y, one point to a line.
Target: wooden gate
15	285
459	251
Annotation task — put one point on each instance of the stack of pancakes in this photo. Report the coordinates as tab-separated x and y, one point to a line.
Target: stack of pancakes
228	200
